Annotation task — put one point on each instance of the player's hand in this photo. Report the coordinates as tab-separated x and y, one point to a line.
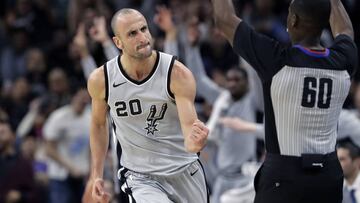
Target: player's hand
95	192
87	197
198	135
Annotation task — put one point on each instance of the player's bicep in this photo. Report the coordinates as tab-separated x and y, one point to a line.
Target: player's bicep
96	88
184	90
99	111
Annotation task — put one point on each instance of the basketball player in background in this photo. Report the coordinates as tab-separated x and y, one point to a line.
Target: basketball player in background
150	96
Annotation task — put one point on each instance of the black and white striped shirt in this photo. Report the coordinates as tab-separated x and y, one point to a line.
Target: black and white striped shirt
304	90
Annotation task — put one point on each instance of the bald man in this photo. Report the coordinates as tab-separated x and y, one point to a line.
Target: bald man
150	97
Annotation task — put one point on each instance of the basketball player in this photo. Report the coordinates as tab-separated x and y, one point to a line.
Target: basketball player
304	87
150	97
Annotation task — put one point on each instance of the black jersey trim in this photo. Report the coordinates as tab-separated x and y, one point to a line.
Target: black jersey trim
171	94
147	77
206	182
106	83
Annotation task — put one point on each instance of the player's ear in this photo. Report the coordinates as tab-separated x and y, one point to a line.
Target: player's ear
117	42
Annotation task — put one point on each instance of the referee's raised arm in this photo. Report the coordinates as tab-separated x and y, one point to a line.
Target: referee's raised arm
343	34
225	18
260	51
339	20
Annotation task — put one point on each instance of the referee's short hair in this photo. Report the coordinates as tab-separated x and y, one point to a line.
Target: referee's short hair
315	13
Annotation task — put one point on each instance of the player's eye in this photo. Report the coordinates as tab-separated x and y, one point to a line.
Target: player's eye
132	33
143	29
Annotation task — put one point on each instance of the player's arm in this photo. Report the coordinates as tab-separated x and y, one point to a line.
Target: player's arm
225	18
339	20
99	138
184	89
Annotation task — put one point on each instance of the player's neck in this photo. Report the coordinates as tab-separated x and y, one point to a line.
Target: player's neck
138	69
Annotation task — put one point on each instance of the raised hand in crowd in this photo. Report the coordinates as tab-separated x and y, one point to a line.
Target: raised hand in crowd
164	20
80	41
98	32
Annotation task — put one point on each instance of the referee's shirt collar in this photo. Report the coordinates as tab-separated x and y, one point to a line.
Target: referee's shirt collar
314	53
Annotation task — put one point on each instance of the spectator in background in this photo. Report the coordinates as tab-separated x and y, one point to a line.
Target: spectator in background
17	102
67	145
348	155
13	57
16	173
77	9
35	17
35	64
98	33
59	87
264	20
58	53
356	101
33	151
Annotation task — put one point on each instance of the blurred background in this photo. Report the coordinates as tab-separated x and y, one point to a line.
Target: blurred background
48	49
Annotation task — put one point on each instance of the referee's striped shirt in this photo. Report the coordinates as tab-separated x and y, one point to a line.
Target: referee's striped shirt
304	90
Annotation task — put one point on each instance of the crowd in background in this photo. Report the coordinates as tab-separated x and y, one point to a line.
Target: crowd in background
49	47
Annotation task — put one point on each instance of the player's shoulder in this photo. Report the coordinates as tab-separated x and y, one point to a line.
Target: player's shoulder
180	71
182	80
96	82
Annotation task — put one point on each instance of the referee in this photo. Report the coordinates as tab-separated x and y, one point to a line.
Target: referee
304	87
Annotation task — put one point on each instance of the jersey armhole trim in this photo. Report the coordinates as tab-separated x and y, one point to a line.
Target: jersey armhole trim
169	78
106	83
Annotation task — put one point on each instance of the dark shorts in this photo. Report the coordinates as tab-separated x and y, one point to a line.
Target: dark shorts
288	179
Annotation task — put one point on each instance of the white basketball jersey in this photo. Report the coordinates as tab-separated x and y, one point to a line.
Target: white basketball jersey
145	119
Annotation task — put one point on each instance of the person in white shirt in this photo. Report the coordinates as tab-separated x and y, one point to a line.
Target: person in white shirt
67	145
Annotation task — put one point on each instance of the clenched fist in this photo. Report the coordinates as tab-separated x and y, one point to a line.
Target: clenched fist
95	192
197	138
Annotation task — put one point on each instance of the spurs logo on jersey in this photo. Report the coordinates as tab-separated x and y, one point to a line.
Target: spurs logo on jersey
152	118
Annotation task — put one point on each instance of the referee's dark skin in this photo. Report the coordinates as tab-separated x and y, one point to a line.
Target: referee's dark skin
304	85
